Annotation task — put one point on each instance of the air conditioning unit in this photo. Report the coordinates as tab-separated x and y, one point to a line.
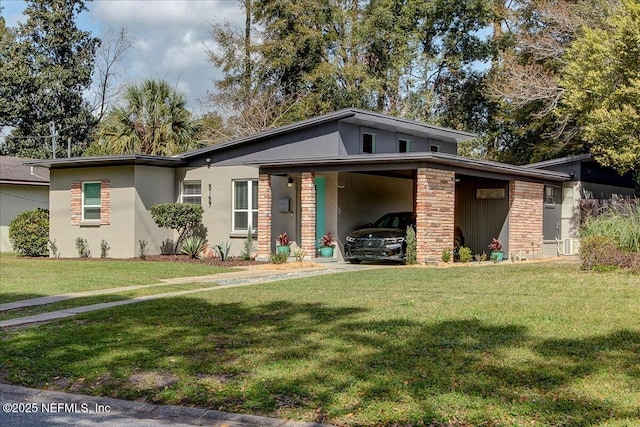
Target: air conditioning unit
570	246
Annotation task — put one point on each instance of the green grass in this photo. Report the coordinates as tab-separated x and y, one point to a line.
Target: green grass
500	345
24	278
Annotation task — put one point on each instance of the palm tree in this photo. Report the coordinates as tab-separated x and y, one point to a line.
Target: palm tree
153	120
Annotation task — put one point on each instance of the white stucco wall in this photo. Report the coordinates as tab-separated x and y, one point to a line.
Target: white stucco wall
15	199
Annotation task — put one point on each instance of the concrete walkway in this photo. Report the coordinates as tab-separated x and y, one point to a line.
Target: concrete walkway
245	277
27	407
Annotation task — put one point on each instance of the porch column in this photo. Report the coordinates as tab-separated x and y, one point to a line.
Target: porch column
526	206
435	206
308	208
264	215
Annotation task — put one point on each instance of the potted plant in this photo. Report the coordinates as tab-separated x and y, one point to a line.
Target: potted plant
496	250
282	244
326	245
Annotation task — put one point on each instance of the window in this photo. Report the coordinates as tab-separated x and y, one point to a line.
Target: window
192	192
435	148
404	145
551	195
91	201
245	205
368	143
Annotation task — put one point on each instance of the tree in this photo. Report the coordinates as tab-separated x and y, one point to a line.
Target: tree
153	120
184	218
601	81
45	66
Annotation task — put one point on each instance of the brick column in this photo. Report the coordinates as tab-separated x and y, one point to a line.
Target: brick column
308	207
435	206
105	202
525	218
264	215
76	202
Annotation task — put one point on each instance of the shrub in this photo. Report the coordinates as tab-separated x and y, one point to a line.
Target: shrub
82	247
601	253
29	232
446	255
222	250
181	217
142	249
247	249
621	223
299	254
412	246
53	248
104	248
278	258
192	246
465	254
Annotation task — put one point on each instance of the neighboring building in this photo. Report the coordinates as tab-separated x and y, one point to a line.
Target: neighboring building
21	189
588	180
330	173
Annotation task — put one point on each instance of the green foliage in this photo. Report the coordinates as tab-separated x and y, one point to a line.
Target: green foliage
45	66
193	246
53	248
29	232
153	120
181	217
601	253
602	83
142	249
465	254
412	246
299	255
278	258
247	249
621	224
222	250
104	248
446	255
82	247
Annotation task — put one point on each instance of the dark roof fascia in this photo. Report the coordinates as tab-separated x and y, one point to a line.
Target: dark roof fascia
352	114
560	161
18	182
446	161
102	161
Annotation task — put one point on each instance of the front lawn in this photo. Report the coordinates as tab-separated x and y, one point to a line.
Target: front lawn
24	278
500	345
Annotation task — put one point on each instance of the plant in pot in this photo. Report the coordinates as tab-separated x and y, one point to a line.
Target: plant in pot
495	246
282	243
326	245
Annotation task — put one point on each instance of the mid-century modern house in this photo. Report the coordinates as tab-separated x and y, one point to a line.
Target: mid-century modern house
21	188
331	173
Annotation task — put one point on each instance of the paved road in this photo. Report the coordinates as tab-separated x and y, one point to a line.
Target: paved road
28	407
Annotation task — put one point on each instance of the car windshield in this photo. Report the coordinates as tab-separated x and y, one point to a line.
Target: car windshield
394	221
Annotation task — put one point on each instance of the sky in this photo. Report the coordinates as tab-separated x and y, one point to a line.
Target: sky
171	38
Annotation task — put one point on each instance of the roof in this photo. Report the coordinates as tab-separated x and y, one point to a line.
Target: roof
119	160
560	161
14	171
441	159
350	115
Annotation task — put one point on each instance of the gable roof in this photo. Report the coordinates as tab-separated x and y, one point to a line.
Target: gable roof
560	161
114	160
349	115
14	171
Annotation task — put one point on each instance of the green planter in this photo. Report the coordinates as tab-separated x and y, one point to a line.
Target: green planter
326	251
283	249
497	256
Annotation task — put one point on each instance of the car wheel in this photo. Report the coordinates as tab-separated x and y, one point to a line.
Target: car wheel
355	261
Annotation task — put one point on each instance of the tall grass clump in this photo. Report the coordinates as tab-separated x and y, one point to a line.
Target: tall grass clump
613	239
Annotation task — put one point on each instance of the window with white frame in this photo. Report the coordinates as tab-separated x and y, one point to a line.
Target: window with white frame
91	200
245	205
191	192
551	194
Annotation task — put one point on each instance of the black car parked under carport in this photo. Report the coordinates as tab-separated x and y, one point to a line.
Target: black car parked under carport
383	240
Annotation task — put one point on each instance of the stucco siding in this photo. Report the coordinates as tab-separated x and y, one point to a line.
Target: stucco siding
15	199
153	186
217	217
119	234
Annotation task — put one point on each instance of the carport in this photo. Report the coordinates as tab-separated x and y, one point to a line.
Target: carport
307	197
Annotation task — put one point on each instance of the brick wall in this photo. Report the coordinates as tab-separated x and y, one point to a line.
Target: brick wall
76	202
435	205
525	217
264	215
308	207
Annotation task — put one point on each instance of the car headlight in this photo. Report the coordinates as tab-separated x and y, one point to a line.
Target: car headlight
392	240
350	239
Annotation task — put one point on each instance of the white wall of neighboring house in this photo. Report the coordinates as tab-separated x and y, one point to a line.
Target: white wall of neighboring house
15	199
